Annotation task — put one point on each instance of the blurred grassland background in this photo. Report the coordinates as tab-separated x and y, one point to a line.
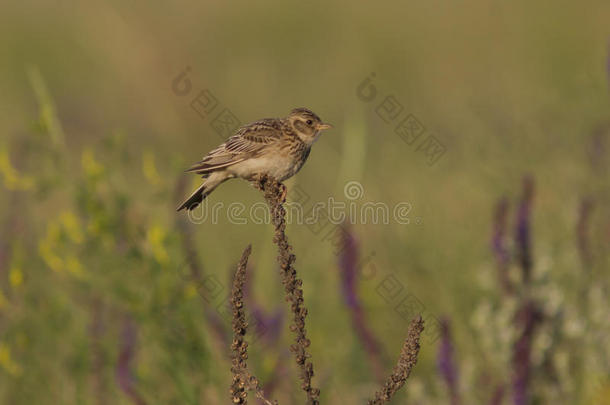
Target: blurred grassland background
95	306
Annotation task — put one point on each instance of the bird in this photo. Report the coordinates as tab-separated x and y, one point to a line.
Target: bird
275	147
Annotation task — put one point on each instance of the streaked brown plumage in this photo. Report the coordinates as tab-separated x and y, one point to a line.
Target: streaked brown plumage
277	147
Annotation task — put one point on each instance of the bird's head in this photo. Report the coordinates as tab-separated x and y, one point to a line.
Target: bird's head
306	124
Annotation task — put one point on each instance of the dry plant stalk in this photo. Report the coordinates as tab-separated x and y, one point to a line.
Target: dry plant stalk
275	195
242	379
406	361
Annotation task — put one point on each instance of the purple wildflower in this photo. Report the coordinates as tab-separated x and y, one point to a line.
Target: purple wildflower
348	264
446	362
498	244
266	325
96	334
123	373
528	318
582	231
523	229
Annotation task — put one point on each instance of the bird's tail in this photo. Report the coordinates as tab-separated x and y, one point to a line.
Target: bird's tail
202	192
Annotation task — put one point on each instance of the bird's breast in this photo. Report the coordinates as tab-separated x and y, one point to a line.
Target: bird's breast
278	165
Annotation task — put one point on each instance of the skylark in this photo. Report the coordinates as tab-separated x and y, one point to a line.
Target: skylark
277	147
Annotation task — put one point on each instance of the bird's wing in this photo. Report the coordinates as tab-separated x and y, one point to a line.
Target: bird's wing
246	143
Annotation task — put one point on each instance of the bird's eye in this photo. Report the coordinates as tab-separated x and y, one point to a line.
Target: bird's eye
309	122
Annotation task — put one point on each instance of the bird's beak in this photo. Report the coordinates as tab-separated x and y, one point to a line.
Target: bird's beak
324	126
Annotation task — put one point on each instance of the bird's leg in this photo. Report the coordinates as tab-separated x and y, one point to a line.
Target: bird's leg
256	180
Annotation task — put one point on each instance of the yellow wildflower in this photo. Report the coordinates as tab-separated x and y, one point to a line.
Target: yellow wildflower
150	169
46	245
12	179
91	166
155	237
190	290
49	257
6	361
72	226
74	266
15	277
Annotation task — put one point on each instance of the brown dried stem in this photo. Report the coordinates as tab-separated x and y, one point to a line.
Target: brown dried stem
406	361
275	194
242	379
